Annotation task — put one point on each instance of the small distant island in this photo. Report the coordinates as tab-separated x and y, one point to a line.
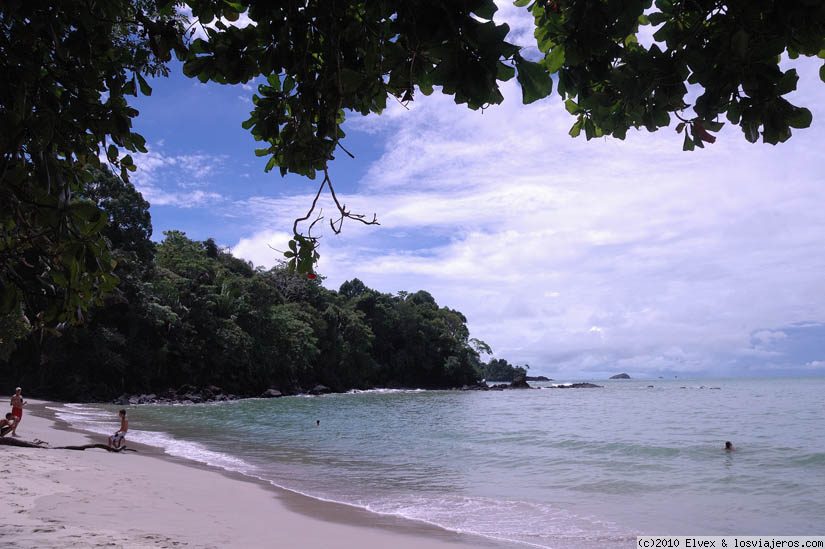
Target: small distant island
620	376
538	378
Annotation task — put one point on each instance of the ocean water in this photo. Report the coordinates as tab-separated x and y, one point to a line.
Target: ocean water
555	468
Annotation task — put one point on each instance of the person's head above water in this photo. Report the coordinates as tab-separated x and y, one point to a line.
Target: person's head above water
728	446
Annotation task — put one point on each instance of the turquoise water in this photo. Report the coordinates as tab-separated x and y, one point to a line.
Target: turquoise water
550	467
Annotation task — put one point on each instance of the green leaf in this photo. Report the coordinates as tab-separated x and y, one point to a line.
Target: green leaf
576	129
712	126
486	9
534	79
571	106
554	60
247	124
522	3
657	18
822	73
734	113
128	163
751	130
504	72
788	82
145	88
800	118
688	144
589	129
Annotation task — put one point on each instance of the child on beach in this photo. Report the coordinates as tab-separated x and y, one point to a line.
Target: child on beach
17	404
116	440
6	424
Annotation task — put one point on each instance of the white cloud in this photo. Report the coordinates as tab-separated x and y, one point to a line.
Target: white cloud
177	180
582	256
264	248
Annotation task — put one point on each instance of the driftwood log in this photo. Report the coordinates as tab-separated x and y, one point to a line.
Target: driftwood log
26	444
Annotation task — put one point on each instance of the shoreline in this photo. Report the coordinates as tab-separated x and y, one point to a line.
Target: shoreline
223	508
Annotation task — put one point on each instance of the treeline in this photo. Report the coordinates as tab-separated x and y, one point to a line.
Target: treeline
188	312
499	369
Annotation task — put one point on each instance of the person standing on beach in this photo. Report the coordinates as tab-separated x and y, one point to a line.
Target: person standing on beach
116	440
17	404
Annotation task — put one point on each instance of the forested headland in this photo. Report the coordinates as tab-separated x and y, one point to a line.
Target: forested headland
187	312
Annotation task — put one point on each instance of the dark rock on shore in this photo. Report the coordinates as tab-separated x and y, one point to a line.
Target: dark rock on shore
620	376
480	386
319	390
186	394
520	382
271	393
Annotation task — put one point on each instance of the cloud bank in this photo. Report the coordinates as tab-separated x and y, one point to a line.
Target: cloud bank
578	258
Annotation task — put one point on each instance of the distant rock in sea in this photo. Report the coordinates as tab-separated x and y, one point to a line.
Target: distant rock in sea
538	378
576	386
520	382
620	376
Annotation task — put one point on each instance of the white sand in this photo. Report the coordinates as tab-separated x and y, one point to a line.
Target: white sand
93	498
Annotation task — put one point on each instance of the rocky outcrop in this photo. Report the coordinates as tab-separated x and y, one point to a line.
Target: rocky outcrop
620	376
577	386
186	394
480	386
271	393
520	382
538	378
319	390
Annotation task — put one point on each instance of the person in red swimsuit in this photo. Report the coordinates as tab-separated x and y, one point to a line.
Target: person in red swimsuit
17	404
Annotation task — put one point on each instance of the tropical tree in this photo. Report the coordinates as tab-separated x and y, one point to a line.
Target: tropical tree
68	71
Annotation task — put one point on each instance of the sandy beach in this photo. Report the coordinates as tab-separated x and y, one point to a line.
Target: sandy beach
94	498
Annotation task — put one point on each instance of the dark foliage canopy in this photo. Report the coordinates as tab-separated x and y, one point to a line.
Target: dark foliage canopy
188	312
71	68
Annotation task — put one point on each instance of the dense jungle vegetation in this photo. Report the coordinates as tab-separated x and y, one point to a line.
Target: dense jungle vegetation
189	312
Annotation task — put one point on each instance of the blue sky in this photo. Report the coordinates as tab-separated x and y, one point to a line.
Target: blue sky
582	259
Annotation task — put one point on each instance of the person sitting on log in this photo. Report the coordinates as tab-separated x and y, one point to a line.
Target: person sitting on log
7	424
